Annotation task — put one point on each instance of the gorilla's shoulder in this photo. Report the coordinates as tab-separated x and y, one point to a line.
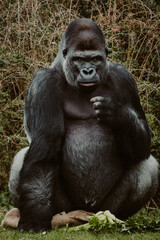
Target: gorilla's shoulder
46	80
48	75
118	68
45	72
120	74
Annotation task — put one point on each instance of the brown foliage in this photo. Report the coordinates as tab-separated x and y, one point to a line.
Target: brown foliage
30	34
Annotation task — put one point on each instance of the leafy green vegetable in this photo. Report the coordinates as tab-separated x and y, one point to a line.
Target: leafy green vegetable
108	222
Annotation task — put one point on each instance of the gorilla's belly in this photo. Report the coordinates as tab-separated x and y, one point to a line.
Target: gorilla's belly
90	164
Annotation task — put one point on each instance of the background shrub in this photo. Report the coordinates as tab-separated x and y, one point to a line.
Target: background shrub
30	33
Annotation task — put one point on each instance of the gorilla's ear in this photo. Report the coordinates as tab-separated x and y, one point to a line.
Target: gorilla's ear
106	49
64	52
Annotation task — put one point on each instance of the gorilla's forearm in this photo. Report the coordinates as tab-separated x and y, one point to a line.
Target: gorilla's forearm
36	189
133	136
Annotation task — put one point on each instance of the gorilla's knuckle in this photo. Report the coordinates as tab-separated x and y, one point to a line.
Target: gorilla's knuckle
97	105
98	112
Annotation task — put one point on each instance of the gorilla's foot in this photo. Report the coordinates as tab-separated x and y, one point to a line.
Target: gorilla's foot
73	218
12	218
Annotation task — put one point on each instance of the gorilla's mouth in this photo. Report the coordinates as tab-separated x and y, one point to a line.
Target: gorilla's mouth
88	84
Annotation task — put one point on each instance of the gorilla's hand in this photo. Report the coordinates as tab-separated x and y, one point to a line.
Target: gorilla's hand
106	109
33	226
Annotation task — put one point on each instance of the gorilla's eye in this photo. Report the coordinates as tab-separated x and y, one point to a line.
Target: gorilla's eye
77	59
97	58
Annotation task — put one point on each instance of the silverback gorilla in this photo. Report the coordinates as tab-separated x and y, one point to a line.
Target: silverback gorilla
89	139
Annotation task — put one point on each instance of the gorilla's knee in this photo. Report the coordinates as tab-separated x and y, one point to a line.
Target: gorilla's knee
149	177
14	174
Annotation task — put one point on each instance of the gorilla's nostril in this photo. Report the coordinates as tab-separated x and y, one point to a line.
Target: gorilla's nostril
85	72
88	72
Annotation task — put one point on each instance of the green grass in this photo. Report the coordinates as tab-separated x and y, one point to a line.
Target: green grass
60	234
81	235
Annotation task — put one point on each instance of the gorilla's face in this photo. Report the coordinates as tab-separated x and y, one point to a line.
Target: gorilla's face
84	62
85	69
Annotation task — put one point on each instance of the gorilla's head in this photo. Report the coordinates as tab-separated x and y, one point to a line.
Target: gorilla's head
84	54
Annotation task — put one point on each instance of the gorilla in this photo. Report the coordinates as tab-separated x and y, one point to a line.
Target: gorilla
89	141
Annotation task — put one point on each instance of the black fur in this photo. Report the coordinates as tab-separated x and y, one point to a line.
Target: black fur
90	142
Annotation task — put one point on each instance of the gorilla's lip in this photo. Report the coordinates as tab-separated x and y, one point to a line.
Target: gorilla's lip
88	84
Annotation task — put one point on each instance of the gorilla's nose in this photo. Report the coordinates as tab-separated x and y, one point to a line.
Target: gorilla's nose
88	73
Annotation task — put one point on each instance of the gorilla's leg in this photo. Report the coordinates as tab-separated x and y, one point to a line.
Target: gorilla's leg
40	187
12	217
62	202
135	188
16	167
15	175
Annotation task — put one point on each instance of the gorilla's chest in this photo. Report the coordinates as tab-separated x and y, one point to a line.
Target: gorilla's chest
77	104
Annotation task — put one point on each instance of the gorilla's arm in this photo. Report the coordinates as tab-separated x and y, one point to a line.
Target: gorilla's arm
122	112
44	125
